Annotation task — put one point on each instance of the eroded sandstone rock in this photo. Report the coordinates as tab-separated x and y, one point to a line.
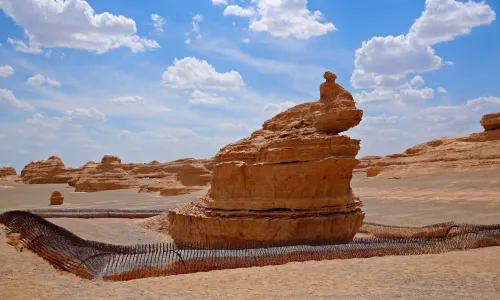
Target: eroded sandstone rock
473	151
491	121
107	175
56	198
289	182
7	171
50	170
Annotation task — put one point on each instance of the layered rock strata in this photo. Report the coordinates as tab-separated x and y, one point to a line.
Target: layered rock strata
7	171
50	170
107	175
288	183
474	151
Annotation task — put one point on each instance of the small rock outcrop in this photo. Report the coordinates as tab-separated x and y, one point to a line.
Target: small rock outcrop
474	151
365	162
7	171
491	121
56	198
289	182
107	175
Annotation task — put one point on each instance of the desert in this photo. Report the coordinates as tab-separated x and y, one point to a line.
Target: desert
264	149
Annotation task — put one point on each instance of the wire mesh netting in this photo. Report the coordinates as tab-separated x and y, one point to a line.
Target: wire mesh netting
96	260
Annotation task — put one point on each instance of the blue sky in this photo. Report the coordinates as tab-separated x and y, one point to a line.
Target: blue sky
150	80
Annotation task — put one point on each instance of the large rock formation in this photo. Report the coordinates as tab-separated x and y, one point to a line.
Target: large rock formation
287	183
474	151
50	170
107	175
7	171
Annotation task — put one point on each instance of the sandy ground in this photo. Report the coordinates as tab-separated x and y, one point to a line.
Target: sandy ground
461	197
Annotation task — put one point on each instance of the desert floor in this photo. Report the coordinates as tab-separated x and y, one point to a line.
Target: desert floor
472	196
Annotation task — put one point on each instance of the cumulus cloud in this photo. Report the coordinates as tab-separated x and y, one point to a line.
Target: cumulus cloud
158	23
9	101
441	20
282	18
275	108
127	100
199	97
72	24
6	71
39	79
417	81
190	72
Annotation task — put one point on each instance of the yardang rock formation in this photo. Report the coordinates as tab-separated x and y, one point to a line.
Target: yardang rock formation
474	151
288	183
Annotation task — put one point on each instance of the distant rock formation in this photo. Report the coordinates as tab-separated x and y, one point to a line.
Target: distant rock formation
7	171
474	151
365	162
289	182
189	175
107	175
50	170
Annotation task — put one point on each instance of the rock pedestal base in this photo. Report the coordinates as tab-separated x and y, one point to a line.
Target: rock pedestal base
192	224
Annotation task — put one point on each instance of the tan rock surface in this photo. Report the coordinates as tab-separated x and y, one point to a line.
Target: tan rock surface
7	171
491	121
107	175
50	170
289	182
365	162
474	151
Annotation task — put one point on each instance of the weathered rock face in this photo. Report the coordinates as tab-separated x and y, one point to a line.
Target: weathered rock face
50	170
474	151
7	171
107	175
491	121
287	183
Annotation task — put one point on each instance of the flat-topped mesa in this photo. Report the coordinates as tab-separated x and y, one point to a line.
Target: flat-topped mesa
289	182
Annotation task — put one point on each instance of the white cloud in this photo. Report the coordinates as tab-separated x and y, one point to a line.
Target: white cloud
381	120
158	22
229	126
417	81
236	10
246	40
219	2
39	79
9	100
382	95
283	18
128	100
6	71
442	90
190	72
72	24
199	97
198	18
443	20
82	114
275	108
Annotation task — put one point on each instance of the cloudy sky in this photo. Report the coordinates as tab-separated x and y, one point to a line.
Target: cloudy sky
163	80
